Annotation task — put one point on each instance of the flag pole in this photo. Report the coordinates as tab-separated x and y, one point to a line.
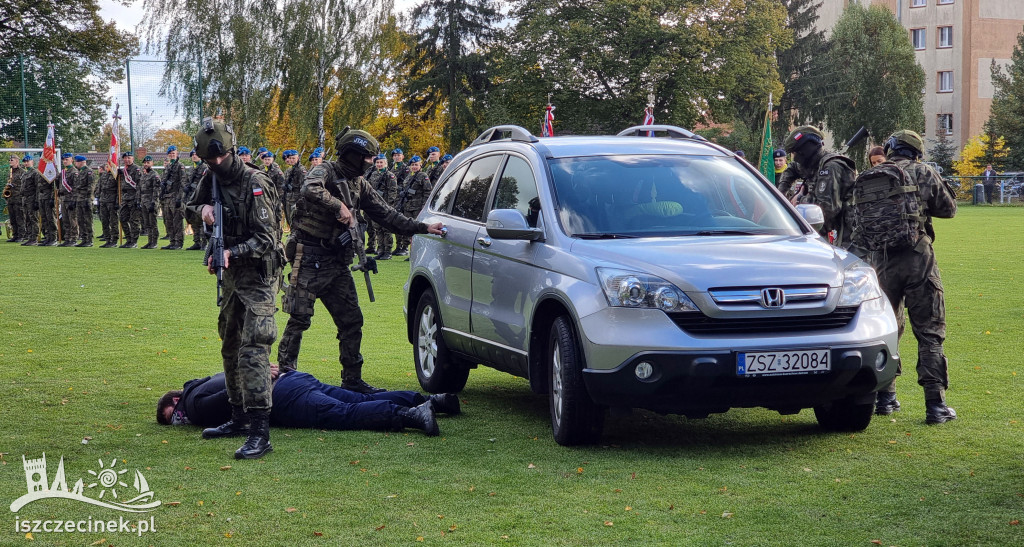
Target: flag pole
115	134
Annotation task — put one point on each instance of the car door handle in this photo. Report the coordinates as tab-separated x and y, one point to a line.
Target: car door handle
484	241
444	232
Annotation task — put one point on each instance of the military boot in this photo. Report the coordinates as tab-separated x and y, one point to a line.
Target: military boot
886	403
938	413
195	247
446	403
352	380
420	417
238	425
258	442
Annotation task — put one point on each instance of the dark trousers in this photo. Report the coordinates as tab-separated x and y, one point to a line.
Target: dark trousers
300	400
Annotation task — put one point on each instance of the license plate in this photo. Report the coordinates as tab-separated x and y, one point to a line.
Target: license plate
773	363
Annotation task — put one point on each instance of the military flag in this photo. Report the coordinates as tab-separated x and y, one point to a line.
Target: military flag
47	163
767	165
547	126
115	144
649	115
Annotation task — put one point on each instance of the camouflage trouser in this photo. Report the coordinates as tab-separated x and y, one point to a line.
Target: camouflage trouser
378	239
198	230
174	221
83	217
68	221
150	228
246	326
131	222
324	275
288	204
44	220
911	278
15	216
108	219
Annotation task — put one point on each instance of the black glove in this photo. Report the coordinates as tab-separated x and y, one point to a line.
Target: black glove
177	203
152	208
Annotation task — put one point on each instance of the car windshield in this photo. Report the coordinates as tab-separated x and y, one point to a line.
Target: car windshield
630	196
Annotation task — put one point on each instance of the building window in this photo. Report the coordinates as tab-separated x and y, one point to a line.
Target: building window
945	36
918	3
945	124
917	37
946	81
945	1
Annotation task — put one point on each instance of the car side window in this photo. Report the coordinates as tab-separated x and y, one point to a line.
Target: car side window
473	190
517	189
446	193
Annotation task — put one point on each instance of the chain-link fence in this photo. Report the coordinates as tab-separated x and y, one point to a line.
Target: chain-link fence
1007	188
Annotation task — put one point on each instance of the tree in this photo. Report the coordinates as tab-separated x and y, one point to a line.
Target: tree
869	76
447	66
980	151
167	137
143	129
795	64
1006	118
102	141
943	153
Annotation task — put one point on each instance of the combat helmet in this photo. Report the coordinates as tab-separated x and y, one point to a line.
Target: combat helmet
356	140
905	142
215	138
798	136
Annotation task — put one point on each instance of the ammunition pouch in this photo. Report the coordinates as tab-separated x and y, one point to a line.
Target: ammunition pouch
297	300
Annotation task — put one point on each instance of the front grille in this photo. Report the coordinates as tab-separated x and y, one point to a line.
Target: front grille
698	323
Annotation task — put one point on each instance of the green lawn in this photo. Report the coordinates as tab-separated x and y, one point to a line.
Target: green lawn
91	337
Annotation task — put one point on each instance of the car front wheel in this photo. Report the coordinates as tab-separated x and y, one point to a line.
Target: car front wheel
844	415
575	419
435	367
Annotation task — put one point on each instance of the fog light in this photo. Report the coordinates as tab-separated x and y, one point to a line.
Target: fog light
644	370
880	360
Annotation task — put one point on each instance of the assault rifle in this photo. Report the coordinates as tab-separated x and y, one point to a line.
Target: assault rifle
215	250
366	264
860	135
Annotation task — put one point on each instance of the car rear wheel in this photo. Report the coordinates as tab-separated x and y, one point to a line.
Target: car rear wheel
575	419
435	367
844	415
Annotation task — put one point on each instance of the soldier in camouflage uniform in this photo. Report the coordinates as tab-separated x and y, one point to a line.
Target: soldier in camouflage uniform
84	189
399	167
66	202
198	171
433	160
912	277
276	176
293	178
149	198
436	172
828	180
172	200
13	191
321	246
130	211
378	238
412	198
316	157
40	206
253	258
107	193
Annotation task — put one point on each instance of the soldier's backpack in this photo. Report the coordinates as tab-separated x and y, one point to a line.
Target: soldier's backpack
885	210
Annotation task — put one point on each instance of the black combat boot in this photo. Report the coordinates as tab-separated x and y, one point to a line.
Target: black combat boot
352	380
237	426
420	417
938	413
30	243
195	247
886	403
130	245
258	442
67	244
446	403
48	243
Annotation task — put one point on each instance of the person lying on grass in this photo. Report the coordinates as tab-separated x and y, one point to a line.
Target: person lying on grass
300	400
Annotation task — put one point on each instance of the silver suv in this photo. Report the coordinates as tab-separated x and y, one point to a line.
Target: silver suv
636	272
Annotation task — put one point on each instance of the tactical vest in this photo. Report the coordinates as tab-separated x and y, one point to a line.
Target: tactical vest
316	219
885	211
239	206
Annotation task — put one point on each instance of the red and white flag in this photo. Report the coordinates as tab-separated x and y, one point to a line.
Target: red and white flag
649	116
547	127
48	162
115	146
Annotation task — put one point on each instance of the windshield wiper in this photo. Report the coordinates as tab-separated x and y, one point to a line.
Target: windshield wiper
724	233
596	235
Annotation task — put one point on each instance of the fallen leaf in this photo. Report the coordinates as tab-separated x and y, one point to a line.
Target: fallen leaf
419	538
28	536
227	534
452	528
491	493
173	503
579	470
628	508
379	528
200	503
225	467
727	515
609	523
531	466
188	468
290	510
876	541
410	444
504	537
389	496
671	507
99	542
353	462
618	490
807	470
239	493
163	442
1014	522
318	534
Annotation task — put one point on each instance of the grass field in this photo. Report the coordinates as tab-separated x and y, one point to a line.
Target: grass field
91	337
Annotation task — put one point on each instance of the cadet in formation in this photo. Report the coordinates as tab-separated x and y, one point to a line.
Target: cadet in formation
130	196
321	246
194	220
12	192
253	259
66	202
149	200
84	189
172	196
382	180
412	198
276	176
107	194
293	178
828	180
39	205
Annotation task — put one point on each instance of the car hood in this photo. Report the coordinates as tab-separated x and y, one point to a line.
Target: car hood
697	263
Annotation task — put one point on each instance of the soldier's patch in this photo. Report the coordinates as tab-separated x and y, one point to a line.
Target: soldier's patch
821	187
823	172
257	191
263	213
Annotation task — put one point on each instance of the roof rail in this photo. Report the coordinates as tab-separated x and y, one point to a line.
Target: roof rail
511	132
672	132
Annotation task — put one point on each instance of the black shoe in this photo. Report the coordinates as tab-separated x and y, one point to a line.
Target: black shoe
195	247
230	428
168	246
420	417
84	244
108	245
48	243
17	240
359	386
385	256
401	252
131	245
938	413
173	248
886	403
30	243
446	403
166	237
67	244
257	444
149	245
12	240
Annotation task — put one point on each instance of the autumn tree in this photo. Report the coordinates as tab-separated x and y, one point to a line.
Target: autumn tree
1006	118
168	137
980	151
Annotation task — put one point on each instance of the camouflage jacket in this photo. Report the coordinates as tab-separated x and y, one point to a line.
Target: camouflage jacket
172	187
107	188
67	177
323	193
829	180
85	184
14	182
35	187
385	184
249	200
194	176
417	189
276	176
131	179
401	171
937	198
293	179
149	189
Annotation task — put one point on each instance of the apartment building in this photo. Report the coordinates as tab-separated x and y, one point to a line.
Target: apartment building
956	42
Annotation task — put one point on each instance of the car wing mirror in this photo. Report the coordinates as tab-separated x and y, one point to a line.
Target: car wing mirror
511	224
812	214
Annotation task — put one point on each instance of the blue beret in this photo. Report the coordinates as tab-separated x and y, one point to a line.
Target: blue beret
416	159
289	153
381	157
261	150
128	153
79	158
147	158
243	150
396	151
193	152
66	155
446	157
267	154
317	153
27	158
779	153
433	149
172	148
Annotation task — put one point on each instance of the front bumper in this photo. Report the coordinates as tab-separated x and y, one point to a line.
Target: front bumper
697	383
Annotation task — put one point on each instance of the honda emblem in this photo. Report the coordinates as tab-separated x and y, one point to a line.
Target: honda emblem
773	298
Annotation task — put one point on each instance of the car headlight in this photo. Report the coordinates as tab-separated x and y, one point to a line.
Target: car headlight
859	285
626	289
